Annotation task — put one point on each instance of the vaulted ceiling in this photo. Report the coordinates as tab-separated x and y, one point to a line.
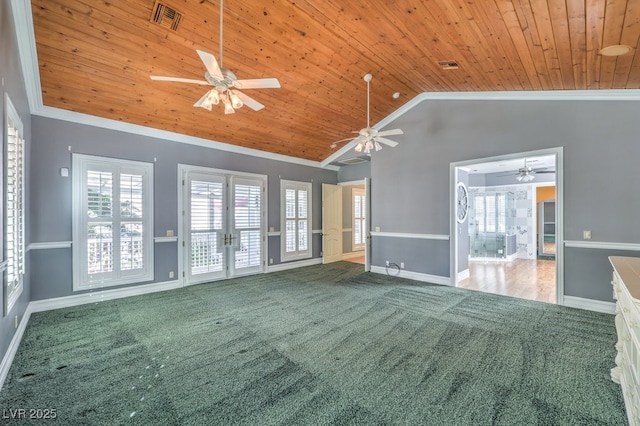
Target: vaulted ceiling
96	56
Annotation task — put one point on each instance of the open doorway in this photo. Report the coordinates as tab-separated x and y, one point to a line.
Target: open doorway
507	241
346	207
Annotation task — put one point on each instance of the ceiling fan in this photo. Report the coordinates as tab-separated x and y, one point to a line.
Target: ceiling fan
225	83
527	173
371	138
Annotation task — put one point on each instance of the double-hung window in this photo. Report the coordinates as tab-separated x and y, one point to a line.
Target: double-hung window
15	164
113	222
295	228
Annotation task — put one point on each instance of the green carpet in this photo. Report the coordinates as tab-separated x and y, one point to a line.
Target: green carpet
324	344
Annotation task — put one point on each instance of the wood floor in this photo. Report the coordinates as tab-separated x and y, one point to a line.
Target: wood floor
359	259
526	279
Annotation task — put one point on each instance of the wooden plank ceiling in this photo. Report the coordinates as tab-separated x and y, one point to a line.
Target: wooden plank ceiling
96	56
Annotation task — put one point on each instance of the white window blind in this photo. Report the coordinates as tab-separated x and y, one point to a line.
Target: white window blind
490	213
15	163
206	227
501	208
247	223
480	215
296	220
358	218
113	228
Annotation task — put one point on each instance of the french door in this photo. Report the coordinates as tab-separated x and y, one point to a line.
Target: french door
223	224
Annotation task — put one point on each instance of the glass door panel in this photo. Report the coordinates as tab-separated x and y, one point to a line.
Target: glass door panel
247	224
205	213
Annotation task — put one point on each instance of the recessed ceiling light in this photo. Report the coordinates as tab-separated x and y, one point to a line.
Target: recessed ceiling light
396	95
615	50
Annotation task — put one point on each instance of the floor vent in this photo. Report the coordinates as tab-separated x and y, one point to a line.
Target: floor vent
166	16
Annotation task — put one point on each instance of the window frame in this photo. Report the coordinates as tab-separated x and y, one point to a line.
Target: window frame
82	279
11	298
297	254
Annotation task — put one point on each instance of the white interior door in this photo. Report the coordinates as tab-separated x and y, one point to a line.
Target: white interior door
224	224
331	223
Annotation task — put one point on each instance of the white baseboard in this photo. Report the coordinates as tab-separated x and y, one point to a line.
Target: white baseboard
590	304
463	275
101	296
7	360
418	276
294	265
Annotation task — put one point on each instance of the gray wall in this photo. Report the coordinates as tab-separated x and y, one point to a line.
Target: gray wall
51	193
14	86
410	183
354	172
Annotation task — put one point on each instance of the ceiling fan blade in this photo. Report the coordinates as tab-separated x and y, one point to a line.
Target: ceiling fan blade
248	101
201	100
387	141
179	80
257	83
544	171
344	140
211	64
391	132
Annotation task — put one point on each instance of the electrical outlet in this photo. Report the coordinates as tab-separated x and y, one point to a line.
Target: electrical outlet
171	274
377	229
387	263
169	232
401	265
271	261
586	235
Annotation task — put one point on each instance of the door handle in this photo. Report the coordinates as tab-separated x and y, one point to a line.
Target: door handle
225	239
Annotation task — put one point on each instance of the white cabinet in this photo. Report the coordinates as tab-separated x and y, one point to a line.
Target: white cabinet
626	290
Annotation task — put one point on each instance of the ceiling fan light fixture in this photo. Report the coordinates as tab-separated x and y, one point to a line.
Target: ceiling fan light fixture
228	108
378	146
213	98
368	146
236	102
359	147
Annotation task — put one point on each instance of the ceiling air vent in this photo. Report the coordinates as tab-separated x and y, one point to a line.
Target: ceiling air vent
166	16
448	65
351	161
